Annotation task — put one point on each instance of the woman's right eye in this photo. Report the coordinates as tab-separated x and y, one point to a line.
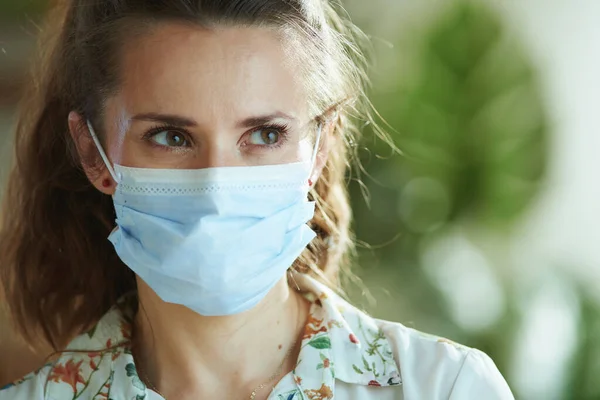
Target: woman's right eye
170	139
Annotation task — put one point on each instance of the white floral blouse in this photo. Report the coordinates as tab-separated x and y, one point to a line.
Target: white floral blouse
345	355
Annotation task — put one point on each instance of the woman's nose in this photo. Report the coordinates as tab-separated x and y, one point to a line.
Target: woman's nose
217	153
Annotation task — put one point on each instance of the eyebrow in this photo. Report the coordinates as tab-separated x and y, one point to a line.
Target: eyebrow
263	119
178	120
169	119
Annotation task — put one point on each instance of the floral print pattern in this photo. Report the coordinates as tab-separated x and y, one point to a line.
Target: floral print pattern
339	342
69	373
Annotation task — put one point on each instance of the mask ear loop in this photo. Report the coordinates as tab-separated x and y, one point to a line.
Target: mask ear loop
102	153
313	158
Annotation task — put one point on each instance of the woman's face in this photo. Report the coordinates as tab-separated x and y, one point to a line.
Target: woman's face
196	98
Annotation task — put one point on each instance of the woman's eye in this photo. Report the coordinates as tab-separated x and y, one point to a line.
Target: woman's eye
265	136
170	139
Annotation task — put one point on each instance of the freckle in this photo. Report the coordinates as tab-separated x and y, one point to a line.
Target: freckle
280	347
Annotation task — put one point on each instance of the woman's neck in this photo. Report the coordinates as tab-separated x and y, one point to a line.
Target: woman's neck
184	354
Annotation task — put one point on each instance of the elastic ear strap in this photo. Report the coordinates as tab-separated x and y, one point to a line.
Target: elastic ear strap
101	151
316	149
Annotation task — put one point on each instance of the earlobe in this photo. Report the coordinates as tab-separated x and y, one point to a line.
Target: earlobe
87	151
108	186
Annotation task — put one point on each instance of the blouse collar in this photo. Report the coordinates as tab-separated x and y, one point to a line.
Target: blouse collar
356	350
339	342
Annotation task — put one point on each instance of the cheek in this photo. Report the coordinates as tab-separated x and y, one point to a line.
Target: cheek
127	155
297	151
305	150
121	150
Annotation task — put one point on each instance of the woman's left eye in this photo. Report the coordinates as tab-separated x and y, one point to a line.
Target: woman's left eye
265	136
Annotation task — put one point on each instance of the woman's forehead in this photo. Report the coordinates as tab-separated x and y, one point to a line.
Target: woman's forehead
214	75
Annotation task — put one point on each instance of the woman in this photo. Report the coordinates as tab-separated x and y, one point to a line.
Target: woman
220	129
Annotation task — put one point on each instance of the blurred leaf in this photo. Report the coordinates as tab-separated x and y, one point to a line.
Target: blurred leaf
468	115
582	382
471	124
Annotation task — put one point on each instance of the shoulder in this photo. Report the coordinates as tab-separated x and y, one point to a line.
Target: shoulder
29	387
82	375
434	367
386	360
94	365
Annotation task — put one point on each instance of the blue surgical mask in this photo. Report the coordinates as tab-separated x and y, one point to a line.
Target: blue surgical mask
215	240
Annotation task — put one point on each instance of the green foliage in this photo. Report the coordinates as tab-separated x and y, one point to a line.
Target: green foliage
582	382
469	119
470	124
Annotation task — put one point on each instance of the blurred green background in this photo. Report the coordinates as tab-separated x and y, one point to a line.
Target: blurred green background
483	229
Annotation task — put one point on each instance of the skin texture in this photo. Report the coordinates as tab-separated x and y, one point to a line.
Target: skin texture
221	82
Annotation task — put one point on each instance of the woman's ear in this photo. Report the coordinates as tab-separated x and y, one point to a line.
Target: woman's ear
98	175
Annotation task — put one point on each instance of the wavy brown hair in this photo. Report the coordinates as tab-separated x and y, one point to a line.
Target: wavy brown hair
59	273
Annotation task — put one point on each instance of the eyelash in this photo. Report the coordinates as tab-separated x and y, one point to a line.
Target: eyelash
161	128
282	129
